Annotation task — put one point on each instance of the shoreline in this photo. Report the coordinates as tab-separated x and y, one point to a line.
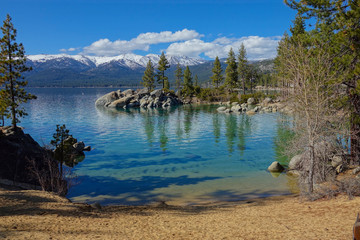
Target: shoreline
26	214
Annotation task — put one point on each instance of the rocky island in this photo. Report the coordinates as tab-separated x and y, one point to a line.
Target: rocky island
141	98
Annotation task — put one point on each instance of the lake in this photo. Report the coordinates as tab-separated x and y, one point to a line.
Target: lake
184	155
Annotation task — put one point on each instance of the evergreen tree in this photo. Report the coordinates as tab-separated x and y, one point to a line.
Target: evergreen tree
61	147
196	80
217	77
231	78
12	65
166	85
242	67
178	77
188	85
163	66
338	25
148	79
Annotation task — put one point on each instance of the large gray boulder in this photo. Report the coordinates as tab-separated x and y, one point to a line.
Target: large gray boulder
156	93
236	108
120	103
221	109
128	92
105	100
275	167
295	161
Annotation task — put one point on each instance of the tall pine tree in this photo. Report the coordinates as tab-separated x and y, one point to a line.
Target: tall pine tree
148	79
178	77
217	77
12	65
242	67
188	85
163	66
231	78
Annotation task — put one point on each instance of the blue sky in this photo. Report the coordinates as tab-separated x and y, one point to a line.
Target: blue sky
196	28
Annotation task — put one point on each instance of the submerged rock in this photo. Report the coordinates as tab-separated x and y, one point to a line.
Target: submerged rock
275	167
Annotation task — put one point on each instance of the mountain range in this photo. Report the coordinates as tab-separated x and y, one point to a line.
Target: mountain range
64	70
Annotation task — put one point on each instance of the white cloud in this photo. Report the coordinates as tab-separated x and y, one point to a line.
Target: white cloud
69	50
105	47
256	47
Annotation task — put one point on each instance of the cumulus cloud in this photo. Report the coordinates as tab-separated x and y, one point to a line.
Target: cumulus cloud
257	48
105	47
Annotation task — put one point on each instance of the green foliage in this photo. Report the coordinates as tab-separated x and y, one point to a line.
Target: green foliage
242	67
61	148
231	78
12	65
163	66
217	77
188	85
148	80
178	77
166	85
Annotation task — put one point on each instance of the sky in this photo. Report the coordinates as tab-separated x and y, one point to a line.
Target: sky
194	28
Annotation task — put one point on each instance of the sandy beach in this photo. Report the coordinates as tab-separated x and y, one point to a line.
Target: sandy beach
30	214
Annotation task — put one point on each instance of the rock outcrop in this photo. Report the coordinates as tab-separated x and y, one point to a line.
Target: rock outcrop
142	98
249	108
16	151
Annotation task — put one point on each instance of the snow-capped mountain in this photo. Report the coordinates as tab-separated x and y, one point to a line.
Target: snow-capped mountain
132	61
81	70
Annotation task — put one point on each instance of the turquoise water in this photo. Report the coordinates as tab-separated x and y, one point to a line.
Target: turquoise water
185	155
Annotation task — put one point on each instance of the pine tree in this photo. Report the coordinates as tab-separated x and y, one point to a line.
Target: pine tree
231	71
188	85
148	79
242	67
60	151
12	65
217	77
196	81
178	77
166	85
163	65
338	24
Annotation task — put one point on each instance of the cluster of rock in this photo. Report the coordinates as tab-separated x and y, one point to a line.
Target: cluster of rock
335	163
249	108
142	98
73	151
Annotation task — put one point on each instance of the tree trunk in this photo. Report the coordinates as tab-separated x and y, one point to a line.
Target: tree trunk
311	169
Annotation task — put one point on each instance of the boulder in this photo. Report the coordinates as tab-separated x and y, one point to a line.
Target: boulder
295	162
120	103
105	100
17	150
143	92
228	111
267	101
275	167
87	149
234	103
156	93
336	161
128	92
251	101
221	109
355	171
257	109
79	146
236	108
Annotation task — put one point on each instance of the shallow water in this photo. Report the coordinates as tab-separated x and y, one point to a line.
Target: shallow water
184	155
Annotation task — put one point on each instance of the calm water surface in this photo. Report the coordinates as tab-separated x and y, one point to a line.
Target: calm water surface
183	155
